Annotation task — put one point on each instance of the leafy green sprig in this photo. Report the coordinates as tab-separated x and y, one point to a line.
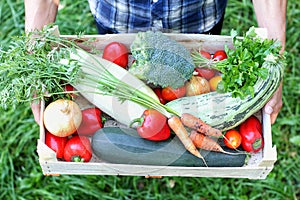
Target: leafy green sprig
32	69
244	63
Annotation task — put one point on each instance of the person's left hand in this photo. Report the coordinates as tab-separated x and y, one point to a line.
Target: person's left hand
274	105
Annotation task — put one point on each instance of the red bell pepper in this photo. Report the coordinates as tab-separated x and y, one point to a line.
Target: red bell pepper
91	121
251	132
153	126
56	143
78	149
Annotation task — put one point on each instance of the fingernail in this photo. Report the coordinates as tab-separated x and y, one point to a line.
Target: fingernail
268	110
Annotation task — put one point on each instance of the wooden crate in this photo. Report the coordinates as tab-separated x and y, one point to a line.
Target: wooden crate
258	166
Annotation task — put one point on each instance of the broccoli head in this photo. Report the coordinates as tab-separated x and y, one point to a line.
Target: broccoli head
160	60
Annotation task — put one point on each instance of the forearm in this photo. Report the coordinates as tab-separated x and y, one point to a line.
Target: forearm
39	13
271	15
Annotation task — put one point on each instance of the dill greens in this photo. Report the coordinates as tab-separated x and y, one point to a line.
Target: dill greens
244	63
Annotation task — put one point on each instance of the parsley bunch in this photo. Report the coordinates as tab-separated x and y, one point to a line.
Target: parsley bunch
244	63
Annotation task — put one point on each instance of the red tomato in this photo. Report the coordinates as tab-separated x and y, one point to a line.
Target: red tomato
159	95
56	143
205	54
78	149
70	88
204	72
170	94
220	55
233	139
117	53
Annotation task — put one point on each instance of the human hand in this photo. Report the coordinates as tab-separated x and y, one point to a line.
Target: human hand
39	13
274	105
36	109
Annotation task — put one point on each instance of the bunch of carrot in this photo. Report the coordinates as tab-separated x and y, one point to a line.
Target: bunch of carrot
199	137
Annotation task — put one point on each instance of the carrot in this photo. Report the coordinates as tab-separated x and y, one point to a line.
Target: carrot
200	126
176	125
205	142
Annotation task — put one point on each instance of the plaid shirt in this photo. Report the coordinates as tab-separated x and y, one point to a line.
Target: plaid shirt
185	16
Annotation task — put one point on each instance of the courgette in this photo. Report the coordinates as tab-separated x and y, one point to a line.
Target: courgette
224	112
122	111
124	146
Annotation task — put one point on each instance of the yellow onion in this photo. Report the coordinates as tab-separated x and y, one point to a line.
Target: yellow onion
62	117
197	85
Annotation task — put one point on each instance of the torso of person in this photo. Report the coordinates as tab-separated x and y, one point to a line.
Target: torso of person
184	16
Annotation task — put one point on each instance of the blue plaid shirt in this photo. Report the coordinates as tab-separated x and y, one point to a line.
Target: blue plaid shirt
184	16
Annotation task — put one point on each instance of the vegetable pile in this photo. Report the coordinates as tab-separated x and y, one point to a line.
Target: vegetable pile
44	68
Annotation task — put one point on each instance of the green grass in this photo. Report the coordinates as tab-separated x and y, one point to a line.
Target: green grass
21	176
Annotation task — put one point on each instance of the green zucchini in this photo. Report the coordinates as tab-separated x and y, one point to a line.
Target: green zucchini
224	112
124	146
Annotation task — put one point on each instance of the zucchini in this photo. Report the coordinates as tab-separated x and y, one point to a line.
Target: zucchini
124	146
122	111
224	112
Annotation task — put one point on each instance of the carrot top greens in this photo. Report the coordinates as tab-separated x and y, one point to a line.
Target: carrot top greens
34	69
31	67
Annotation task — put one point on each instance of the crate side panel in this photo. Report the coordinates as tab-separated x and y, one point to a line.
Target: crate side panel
209	43
50	167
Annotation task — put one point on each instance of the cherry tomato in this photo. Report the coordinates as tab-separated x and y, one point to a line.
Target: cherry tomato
70	88
204	72
159	95
78	149
57	144
117	53
220	55
170	94
233	139
214	81
205	54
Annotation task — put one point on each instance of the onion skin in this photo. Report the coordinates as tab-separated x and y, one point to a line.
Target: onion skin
197	85
62	117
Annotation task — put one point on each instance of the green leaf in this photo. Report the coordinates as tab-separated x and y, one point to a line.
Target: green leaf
233	33
295	140
250	58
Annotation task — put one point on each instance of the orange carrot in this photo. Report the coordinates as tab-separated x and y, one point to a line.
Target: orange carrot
176	125
206	143
197	124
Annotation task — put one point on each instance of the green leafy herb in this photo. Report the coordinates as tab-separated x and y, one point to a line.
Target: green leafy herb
31	67
245	63
35	69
